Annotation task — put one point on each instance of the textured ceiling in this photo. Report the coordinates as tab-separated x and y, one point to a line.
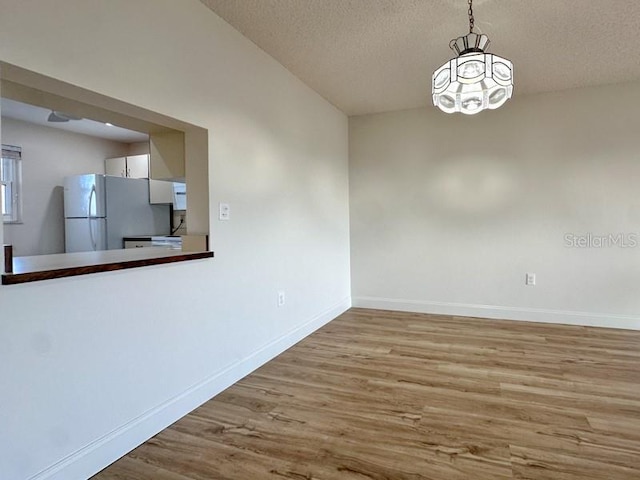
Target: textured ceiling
368	56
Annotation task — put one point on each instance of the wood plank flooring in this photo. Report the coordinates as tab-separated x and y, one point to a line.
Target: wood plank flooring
400	396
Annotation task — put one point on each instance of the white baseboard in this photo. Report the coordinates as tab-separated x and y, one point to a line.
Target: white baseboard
629	322
93	457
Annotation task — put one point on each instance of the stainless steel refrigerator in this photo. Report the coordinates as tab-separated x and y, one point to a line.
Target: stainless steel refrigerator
100	210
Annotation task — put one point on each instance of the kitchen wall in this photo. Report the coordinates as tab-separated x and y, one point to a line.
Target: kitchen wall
49	155
91	366
180	222
138	148
449	212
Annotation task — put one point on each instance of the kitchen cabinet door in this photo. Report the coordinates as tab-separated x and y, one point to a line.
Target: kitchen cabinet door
138	166
116	166
160	191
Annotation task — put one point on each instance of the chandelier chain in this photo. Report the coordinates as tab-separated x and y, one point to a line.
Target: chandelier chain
471	19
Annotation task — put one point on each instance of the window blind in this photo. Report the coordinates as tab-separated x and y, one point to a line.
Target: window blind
12	152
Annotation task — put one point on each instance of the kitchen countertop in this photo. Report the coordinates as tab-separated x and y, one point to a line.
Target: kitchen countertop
45	267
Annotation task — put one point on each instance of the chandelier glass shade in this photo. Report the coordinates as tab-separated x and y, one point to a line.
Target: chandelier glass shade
474	80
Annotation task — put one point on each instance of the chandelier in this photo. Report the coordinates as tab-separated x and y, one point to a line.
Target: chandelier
474	80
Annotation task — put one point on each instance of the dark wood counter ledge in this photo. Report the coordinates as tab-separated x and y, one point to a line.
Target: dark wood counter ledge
48	267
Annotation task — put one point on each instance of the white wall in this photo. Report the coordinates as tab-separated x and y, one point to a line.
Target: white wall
49	155
91	366
138	148
449	212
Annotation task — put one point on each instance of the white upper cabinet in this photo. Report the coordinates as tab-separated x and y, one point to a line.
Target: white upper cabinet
116	166
138	166
160	191
135	166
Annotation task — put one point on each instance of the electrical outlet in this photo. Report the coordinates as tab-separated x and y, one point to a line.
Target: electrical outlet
530	279
281	298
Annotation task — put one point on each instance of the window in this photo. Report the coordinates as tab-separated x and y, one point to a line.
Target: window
10	183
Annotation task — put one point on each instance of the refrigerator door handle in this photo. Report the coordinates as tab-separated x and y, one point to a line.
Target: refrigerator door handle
93	240
91	235
91	195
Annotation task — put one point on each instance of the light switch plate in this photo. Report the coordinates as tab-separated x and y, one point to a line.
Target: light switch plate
224	211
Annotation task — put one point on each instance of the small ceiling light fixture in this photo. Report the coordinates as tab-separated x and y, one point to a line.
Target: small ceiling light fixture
474	80
60	117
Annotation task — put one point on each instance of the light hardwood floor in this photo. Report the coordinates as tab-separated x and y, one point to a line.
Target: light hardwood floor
395	396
